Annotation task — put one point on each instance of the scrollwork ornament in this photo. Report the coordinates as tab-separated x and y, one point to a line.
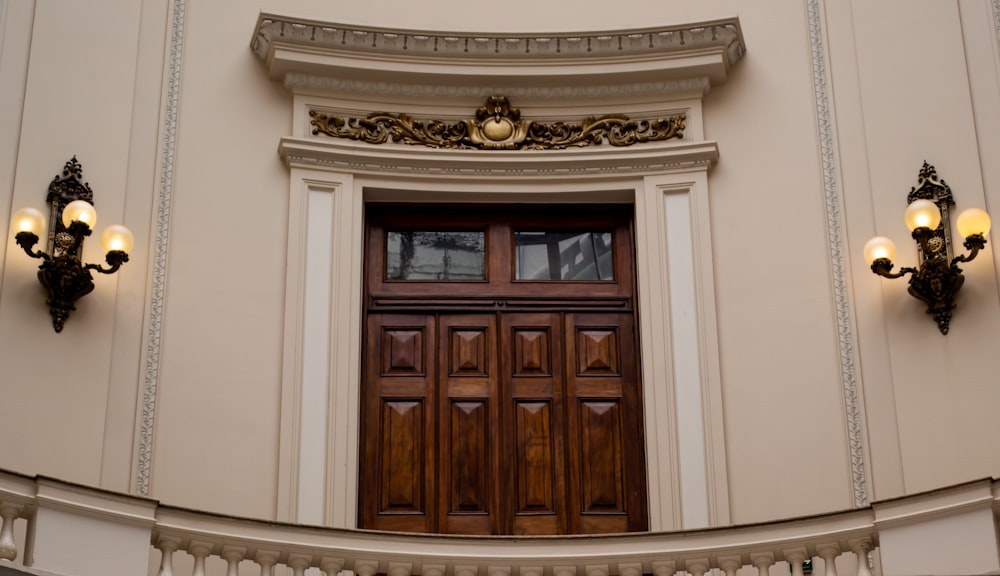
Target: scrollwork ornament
498	126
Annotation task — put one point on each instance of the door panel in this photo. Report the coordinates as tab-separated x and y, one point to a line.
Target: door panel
469	434
605	454
533	368
402	447
398	480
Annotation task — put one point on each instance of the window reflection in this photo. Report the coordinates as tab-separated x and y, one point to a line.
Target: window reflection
563	256
413	255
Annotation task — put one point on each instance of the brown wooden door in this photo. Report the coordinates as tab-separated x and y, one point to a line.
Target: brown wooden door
529	429
498	406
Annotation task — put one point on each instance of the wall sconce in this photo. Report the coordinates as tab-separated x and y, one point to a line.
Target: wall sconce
937	278
64	275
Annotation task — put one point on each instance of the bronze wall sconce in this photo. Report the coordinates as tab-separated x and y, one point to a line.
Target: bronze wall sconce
64	275
937	278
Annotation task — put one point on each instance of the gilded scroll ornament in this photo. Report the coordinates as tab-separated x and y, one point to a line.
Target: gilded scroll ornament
498	126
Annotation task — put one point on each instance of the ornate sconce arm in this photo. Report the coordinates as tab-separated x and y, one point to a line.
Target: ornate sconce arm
974	243
883	267
27	241
114	258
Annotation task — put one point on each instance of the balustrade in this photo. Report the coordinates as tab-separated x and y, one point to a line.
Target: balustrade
233	545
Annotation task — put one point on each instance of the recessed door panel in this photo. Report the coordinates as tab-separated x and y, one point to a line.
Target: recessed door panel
469	458
401	469
398	480
468	434
532	369
605	438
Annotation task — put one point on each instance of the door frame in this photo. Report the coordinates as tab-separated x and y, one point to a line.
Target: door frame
318	443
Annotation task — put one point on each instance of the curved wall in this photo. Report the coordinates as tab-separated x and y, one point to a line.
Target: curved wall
904	82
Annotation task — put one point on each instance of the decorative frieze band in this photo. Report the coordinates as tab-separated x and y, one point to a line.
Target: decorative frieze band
498	126
360	39
384	87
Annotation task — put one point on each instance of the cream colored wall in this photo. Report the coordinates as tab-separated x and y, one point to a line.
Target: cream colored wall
906	95
784	413
909	81
81	95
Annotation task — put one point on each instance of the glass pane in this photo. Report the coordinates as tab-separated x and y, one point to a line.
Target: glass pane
563	256
435	255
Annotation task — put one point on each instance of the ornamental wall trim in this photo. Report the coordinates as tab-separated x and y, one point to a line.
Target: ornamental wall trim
300	52
498	126
725	33
533	165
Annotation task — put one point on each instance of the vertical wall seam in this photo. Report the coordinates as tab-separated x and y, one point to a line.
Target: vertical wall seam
996	20
20	121
160	257
834	221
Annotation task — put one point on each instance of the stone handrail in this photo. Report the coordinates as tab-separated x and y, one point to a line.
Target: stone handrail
81	531
368	552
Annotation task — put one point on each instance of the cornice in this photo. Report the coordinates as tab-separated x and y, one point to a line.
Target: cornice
337	56
345	155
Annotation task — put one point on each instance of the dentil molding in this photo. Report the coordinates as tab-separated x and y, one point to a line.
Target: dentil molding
335	56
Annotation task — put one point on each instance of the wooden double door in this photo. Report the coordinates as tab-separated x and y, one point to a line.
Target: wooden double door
513	414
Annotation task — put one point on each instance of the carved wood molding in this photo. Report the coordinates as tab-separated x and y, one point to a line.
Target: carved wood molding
498	126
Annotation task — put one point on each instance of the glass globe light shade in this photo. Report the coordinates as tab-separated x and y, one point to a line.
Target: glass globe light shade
81	211
973	221
117	238
922	214
29	220
879	247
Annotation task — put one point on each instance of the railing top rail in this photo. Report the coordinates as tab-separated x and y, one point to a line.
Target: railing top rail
188	526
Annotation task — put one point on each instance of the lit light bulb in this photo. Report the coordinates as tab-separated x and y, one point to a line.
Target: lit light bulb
973	221
29	220
79	211
117	238
922	214
879	247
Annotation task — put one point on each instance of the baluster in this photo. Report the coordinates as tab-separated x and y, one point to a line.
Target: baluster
329	566
631	569
597	570
200	550
763	561
299	563
531	571
366	567
730	564
498	570
829	553
664	568
439	570
8	547
795	558
861	548
697	566
564	571
233	555
167	545
266	559
400	568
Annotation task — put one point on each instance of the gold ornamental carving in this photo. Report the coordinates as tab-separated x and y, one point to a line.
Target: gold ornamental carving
498	126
